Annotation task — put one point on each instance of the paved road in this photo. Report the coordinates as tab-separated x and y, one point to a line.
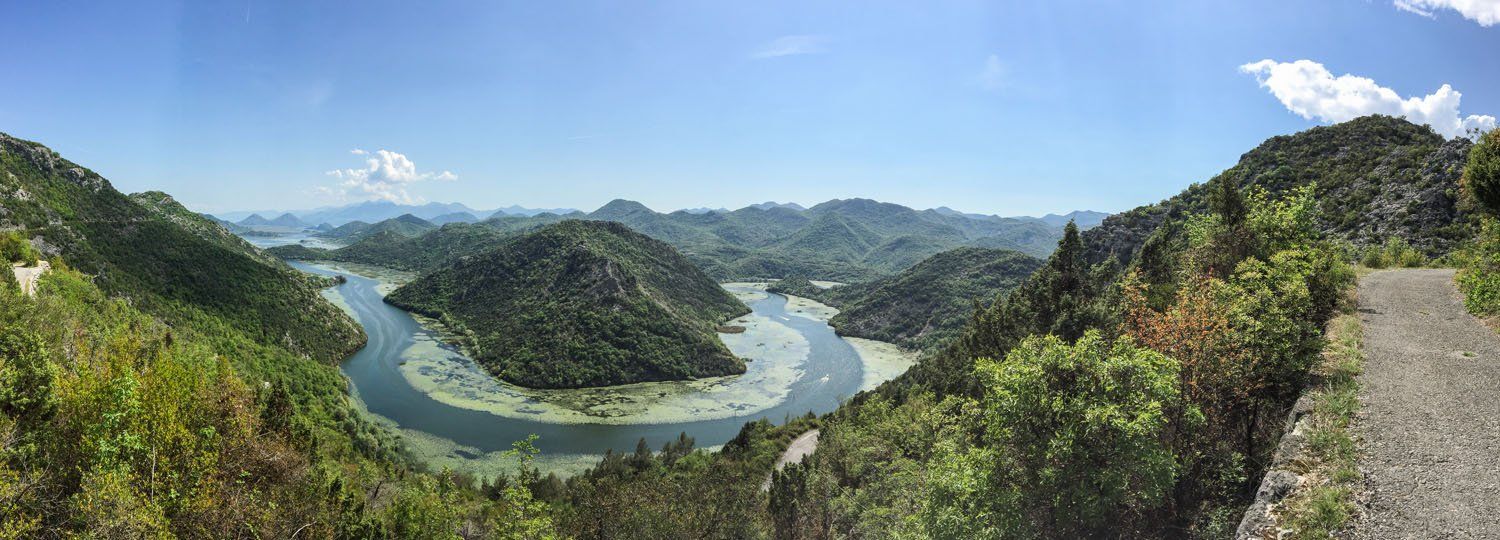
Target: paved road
796	451
1431	420
27	276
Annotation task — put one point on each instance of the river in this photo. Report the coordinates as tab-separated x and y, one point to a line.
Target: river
797	364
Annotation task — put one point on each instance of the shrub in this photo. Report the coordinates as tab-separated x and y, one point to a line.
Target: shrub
15	249
1480	278
1394	253
1075	443
1481	178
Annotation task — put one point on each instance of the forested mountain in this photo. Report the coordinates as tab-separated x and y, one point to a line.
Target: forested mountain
167	380
375	211
423	253
402	226
925	305
1377	178
846	240
456	217
283	221
171	262
581	303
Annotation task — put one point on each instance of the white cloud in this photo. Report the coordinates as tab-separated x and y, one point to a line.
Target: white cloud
385	176
1484	12
1310	90
792	46
993	77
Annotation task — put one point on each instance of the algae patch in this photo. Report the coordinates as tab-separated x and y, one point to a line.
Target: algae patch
882	361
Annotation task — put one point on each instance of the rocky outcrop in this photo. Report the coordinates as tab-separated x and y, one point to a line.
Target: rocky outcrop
1377	177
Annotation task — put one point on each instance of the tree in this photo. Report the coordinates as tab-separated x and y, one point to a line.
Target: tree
26	378
1075	443
1482	173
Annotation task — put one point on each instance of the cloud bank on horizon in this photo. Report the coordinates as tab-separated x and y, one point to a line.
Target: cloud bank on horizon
1311	91
1484	12
385	177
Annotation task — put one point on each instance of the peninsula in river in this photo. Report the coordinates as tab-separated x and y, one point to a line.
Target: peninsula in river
581	304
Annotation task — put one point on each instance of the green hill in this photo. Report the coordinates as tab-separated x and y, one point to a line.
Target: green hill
419	254
925	305
831	236
1377	177
172	262
581	303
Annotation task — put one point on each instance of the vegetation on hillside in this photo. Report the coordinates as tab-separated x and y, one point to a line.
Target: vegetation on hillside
1377	178
1479	276
923	306
184	386
1165	377
850	240
116	425
163	257
15	249
403	226
581	303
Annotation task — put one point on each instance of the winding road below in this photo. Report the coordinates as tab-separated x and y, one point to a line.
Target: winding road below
1430	423
796	451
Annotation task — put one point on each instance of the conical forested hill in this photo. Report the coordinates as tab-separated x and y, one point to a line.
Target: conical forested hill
582	303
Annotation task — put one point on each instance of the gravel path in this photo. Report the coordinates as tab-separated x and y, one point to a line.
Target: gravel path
1430	424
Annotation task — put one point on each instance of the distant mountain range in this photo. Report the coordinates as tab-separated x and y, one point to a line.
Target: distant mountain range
375	211
842	239
442	213
1085	219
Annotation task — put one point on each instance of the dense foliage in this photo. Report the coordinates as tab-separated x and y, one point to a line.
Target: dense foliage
169	391
1479	276
115	425
1130	402
581	303
15	249
678	492
1481	176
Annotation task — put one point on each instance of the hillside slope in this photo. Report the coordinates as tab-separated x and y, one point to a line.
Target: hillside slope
172	262
582	303
1377	177
925	305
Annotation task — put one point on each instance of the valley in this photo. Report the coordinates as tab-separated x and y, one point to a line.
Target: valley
457	414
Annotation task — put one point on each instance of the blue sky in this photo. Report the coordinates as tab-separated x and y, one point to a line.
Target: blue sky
993	107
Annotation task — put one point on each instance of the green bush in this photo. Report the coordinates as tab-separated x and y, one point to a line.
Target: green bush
1075	443
1482	173
1395	253
1480	277
15	249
